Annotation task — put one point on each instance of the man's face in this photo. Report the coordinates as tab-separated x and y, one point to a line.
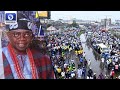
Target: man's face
20	39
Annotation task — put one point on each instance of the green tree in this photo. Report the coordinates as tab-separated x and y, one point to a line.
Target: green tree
48	25
74	24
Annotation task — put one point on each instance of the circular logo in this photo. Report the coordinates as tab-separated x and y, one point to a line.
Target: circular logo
10	17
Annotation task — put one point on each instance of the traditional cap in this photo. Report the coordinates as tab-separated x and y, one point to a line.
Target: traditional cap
22	23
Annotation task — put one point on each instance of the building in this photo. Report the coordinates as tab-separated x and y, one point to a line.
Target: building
106	22
117	22
52	30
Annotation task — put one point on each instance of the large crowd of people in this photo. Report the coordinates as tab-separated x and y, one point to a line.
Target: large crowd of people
110	59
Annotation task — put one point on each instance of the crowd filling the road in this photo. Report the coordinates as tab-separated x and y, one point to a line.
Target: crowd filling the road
108	47
69	59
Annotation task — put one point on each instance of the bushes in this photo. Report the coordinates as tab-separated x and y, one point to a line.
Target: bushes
81	32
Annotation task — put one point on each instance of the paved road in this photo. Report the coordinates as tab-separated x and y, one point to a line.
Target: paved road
90	54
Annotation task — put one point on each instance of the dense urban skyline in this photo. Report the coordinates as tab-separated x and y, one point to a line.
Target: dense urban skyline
85	15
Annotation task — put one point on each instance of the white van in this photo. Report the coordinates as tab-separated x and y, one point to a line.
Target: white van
103	48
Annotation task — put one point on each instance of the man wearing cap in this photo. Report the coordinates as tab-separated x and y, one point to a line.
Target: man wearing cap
19	60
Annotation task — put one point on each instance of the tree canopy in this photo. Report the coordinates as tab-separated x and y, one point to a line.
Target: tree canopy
74	24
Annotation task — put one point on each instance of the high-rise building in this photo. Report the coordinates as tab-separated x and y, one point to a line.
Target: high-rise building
106	22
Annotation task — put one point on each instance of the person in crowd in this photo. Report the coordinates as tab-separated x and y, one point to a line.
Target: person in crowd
84	72
94	76
79	73
112	74
89	63
90	72
101	76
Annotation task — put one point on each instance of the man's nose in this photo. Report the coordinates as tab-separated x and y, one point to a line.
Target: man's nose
22	37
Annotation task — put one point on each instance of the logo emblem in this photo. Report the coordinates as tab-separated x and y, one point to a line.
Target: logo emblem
10	17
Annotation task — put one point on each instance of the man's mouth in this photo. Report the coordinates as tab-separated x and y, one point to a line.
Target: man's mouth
21	45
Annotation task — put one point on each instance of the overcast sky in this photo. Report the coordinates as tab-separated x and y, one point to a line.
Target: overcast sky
85	15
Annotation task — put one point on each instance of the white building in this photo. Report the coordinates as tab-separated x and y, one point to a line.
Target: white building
117	22
52	30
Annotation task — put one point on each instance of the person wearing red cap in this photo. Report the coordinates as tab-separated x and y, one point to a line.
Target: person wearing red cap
19	60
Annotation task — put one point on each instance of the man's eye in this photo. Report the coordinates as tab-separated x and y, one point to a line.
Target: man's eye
27	34
16	34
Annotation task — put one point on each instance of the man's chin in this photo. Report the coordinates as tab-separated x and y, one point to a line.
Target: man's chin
21	49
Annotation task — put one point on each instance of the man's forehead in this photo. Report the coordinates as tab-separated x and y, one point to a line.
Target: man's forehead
20	30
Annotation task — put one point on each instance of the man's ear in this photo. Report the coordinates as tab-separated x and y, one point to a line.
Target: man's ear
8	33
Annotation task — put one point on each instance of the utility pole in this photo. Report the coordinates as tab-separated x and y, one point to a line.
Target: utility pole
105	22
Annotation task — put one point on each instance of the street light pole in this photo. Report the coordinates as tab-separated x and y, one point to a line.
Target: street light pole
105	22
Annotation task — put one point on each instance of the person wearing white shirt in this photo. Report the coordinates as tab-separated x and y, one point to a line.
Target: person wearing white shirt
63	74
103	60
116	59
102	63
79	73
72	74
84	55
89	63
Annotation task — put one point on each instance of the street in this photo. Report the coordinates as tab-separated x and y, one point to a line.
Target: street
95	64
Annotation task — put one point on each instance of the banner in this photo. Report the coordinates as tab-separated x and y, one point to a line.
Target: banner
43	14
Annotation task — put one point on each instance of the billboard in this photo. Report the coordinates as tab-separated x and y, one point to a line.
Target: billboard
43	14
